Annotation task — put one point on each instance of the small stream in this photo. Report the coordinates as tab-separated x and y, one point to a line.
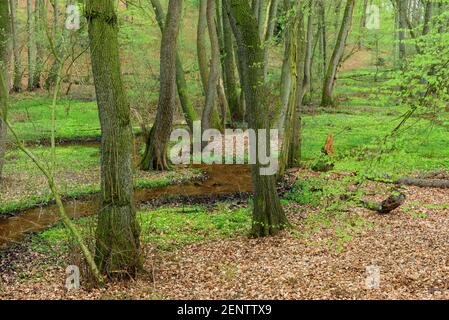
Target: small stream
220	180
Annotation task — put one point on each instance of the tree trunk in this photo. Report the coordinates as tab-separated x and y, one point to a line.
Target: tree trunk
51	79
235	106
214	72
155	157
40	21
17	82
268	215
188	109
31	53
337	55
427	17
286	74
308	55
201	44
269	30
5	26
117	237
402	7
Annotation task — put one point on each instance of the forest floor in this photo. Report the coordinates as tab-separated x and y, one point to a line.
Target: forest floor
196	250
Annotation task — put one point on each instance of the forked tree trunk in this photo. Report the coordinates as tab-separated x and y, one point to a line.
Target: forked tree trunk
155	157
337	55
5	25
229	63
190	114
117	236
214	71
17	80
268	215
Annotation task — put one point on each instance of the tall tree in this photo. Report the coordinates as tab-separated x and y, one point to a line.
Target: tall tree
269	30
236	108
337	55
155	156
117	247
31	53
268	215
214	71
188	109
17	82
5	25
40	20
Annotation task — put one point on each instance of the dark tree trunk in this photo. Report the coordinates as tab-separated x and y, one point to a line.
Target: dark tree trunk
155	157
117	237
268	215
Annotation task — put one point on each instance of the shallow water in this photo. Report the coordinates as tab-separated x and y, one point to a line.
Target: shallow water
220	180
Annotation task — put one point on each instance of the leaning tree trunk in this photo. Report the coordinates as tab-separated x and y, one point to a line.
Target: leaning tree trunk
268	215
117	237
155	157
5	25
337	55
188	109
31	53
17	82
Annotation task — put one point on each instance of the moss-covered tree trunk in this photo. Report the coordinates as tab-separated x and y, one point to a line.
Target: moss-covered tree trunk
268	215
188	109
117	237
155	157
269	31
5	25
337	55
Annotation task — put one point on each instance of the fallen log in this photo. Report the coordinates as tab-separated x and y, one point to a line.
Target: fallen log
393	202
424	183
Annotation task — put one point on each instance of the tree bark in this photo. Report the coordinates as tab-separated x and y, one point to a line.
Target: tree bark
269	30
117	236
155	157
17	81
40	21
190	114
31	52
236	109
214	72
337	55
268	215
5	27
307	81
201	44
